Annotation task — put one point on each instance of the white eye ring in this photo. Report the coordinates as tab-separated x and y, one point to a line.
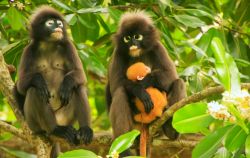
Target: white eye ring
60	23
126	39
138	37
49	22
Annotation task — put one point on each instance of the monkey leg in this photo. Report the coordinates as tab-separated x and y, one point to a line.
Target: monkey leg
82	111
121	115
41	118
177	92
38	113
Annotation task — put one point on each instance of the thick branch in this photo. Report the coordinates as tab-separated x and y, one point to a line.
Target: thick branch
191	99
6	87
13	130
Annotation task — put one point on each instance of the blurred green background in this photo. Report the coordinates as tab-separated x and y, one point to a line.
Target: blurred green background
186	28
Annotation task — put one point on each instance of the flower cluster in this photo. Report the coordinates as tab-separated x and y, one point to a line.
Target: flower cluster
219	111
241	101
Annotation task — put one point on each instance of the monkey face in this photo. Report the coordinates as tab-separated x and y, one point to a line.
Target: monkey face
134	42
54	27
136	37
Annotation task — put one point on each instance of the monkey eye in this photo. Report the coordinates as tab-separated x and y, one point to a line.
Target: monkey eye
138	37
59	23
49	22
126	39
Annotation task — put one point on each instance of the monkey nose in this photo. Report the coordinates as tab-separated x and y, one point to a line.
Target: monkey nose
58	30
133	47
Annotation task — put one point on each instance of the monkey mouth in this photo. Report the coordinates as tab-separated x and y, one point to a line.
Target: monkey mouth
57	34
58	30
134	51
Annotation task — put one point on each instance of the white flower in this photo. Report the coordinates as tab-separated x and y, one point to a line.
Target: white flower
218	111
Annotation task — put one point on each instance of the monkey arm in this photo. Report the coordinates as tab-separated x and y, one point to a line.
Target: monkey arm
75	76
164	71
71	81
29	77
137	90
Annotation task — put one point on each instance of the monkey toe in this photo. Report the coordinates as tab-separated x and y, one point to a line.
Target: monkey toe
66	132
86	134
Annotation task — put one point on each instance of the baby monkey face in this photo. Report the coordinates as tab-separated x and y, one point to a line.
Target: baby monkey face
55	29
134	43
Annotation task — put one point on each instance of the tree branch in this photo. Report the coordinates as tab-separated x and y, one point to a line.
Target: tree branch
191	99
6	87
13	130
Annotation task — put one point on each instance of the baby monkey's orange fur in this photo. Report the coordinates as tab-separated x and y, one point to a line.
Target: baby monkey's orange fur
137	72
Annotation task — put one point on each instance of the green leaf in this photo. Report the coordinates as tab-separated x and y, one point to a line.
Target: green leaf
78	154
198	12
205	41
71	19
199	51
221	64
115	14
11	46
222	153
92	10
242	62
189	21
78	32
193	114
239	120
210	144
63	5
19	154
234	74
15	18
123	142
247	146
235	138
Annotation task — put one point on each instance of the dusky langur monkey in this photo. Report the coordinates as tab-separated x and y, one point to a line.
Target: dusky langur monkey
137	40
51	86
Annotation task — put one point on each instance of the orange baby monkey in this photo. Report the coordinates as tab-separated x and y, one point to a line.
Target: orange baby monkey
135	73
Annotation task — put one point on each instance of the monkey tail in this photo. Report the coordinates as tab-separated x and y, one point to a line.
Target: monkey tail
144	140
19	98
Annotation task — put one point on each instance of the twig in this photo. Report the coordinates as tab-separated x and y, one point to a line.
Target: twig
191	99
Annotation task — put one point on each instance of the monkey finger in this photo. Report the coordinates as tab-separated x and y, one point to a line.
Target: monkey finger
86	134
71	135
148	105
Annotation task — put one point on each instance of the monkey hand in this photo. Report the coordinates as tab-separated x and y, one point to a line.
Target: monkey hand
40	84
67	132
143	95
85	134
147	81
66	89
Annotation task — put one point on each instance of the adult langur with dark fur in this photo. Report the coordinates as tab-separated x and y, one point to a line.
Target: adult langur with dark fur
51	86
137	41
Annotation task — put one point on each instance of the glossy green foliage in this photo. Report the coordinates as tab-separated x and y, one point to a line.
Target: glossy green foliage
123	142
192	114
210	144
80	153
